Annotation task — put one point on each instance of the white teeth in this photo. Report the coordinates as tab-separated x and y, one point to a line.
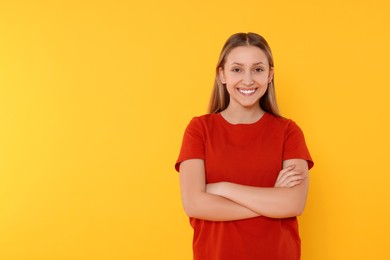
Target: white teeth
247	91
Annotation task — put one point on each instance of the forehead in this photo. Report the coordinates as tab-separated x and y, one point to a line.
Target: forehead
246	55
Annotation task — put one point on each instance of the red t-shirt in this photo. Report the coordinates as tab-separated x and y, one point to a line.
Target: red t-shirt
247	154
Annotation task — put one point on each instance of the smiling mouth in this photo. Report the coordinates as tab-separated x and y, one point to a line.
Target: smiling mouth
247	91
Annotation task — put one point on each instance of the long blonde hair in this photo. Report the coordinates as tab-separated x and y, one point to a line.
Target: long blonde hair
219	100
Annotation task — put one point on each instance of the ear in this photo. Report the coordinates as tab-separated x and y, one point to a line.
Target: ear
222	75
271	74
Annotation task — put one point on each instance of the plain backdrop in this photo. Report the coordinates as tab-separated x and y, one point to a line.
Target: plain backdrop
95	97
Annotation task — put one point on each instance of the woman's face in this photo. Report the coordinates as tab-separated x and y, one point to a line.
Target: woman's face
246	74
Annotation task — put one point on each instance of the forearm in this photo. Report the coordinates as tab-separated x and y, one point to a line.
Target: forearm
269	202
215	208
287	199
199	204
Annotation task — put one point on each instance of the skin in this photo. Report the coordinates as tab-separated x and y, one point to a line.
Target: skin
283	201
246	69
246	74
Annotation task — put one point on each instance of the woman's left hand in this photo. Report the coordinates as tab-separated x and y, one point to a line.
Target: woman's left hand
289	177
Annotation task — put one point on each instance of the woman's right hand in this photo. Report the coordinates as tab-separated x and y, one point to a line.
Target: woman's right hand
289	177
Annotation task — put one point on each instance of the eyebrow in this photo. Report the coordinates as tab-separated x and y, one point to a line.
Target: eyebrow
240	64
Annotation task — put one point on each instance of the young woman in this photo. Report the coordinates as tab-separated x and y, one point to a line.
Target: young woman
244	168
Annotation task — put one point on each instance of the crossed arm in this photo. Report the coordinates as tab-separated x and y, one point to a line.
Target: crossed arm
225	201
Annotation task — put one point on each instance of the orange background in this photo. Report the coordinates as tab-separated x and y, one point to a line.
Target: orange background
95	96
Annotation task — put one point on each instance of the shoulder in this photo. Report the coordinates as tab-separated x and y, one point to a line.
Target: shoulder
282	123
204	120
205	117
285	127
202	124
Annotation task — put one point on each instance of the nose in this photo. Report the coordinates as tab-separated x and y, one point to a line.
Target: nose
247	79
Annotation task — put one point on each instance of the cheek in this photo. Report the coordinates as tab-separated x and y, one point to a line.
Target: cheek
230	88
263	80
232	80
231	85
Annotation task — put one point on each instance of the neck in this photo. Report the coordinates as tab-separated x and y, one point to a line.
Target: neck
242	115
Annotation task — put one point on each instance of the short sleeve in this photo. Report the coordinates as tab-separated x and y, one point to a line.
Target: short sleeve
193	145
295	145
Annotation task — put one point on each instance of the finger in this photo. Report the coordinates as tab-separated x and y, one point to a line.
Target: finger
288	174
294	177
294	183
290	179
285	170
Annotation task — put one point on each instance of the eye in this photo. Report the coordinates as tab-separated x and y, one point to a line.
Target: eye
236	70
259	69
